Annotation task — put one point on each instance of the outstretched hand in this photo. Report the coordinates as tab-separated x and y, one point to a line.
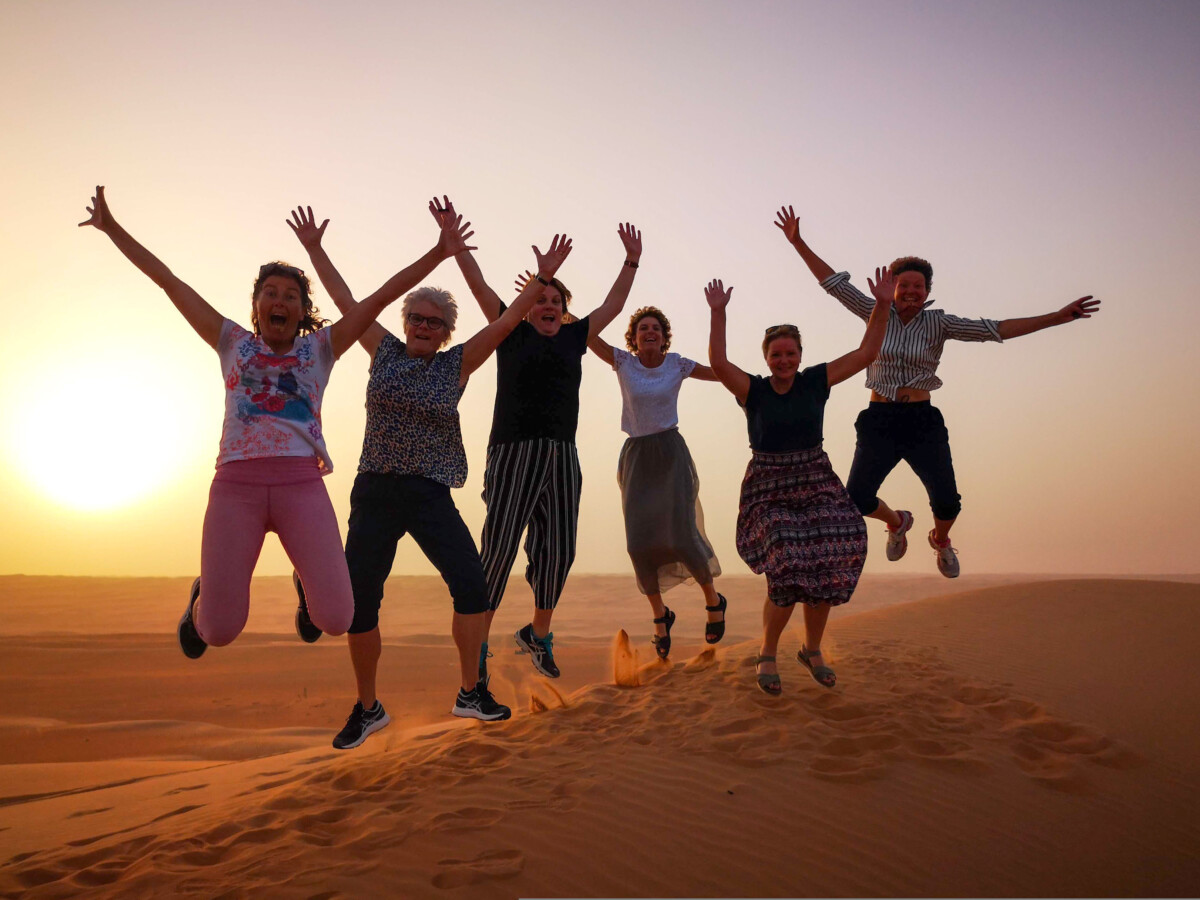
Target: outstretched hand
304	224
884	285
98	214
440	209
522	280
1080	309
548	262
716	295
455	232
632	239
788	223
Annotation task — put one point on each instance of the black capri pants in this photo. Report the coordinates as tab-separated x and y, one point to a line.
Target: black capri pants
383	508
915	433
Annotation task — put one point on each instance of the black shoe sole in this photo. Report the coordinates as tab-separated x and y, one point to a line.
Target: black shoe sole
305	629
192	652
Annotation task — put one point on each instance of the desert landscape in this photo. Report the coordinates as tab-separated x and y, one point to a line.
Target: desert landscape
995	736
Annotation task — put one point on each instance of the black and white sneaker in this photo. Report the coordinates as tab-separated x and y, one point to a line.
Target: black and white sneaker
540	650
479	703
190	642
360	725
304	625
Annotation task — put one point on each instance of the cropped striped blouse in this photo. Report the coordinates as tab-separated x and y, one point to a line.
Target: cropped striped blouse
911	353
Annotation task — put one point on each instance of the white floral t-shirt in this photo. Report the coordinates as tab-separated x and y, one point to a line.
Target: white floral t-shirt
649	397
273	401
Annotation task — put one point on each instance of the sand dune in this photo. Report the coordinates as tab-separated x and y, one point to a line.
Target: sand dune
1018	739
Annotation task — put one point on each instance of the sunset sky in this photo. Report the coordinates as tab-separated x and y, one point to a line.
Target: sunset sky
1035	152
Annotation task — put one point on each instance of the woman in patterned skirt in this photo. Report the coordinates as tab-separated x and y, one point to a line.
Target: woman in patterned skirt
412	456
796	523
660	491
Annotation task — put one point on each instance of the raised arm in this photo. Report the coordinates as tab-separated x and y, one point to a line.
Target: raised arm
488	300
453	237
1080	309
601	348
203	318
790	226
734	379
599	318
703	373
884	289
483	344
837	285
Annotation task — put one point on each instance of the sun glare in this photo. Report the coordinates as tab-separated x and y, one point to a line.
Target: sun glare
94	438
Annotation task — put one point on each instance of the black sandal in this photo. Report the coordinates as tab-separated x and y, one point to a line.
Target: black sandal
662	643
822	675
714	631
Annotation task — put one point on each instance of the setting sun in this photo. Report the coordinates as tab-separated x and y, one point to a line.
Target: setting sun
92	437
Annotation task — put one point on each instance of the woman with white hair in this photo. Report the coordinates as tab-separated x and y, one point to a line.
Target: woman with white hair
412	456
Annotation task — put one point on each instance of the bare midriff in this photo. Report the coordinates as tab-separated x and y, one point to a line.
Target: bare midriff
904	395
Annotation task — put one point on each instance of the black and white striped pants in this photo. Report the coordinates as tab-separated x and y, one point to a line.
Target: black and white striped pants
532	484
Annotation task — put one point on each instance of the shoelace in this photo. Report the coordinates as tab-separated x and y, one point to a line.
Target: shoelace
547	642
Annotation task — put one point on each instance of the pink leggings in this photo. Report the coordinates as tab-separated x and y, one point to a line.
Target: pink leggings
248	498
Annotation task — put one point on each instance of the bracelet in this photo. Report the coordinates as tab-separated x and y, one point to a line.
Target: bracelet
542	280
632	263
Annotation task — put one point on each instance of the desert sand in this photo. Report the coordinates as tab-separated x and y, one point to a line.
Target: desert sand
991	736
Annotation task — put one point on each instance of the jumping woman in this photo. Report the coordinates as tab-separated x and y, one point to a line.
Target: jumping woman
272	453
796	523
900	423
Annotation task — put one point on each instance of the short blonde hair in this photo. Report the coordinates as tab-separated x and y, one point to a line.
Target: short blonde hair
443	300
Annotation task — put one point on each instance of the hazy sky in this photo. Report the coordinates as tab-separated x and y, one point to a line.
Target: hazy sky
1034	152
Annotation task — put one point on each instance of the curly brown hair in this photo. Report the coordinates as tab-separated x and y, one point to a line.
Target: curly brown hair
653	312
913	264
310	319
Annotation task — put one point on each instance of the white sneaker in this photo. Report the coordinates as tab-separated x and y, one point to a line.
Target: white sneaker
897	540
947	557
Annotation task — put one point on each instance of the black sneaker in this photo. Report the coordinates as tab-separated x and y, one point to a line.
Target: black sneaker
479	704
190	642
304	625
361	724
484	655
540	650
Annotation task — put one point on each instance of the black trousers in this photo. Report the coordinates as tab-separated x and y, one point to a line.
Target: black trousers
915	433
383	508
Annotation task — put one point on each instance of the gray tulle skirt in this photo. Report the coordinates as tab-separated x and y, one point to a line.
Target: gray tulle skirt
664	524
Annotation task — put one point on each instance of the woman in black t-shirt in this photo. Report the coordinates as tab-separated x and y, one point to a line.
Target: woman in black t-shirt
531	481
796	523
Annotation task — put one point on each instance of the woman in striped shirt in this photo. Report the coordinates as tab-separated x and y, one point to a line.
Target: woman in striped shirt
900	423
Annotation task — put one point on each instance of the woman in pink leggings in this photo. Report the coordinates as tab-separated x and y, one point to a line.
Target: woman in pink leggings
272	453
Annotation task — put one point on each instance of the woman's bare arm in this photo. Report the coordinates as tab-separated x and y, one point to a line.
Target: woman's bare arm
200	315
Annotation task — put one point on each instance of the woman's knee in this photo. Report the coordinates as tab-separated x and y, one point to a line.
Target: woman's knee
946	509
865	499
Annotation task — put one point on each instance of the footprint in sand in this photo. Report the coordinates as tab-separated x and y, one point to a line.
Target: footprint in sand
92	812
624	661
190	787
543	697
489	865
466	819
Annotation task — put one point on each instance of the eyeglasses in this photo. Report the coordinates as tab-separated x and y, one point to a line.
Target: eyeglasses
433	323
